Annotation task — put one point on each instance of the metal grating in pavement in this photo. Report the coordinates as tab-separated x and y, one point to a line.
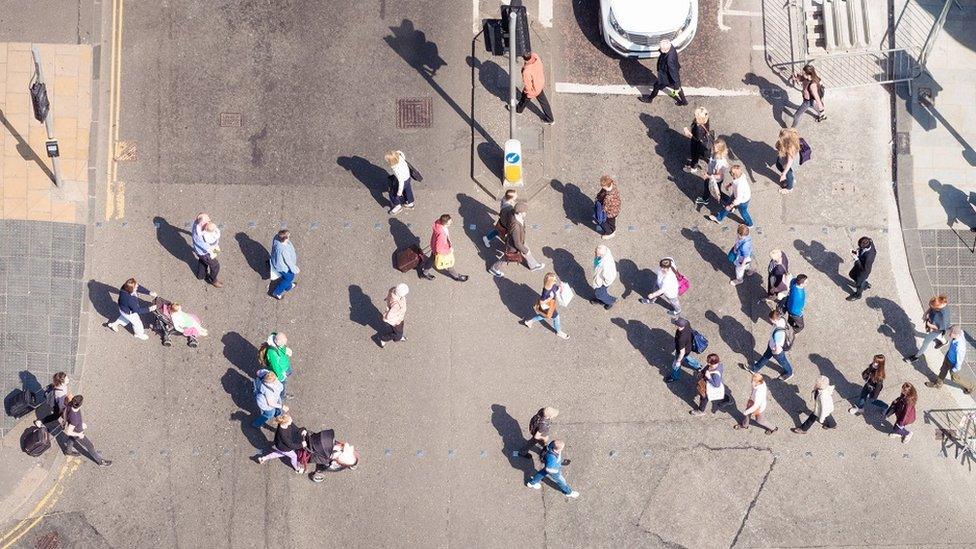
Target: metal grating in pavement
413	113
231	120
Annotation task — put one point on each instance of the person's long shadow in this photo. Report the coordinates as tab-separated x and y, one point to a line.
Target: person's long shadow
842	387
104	299
672	147
518	298
412	46
492	76
823	260
635	73
955	202
363	312
240	352
735	335
172	240
634	279
255	253
374	178
578	206
475	213
709	251
568	270
513	440
755	156
898	327
775	95
787	395
653	345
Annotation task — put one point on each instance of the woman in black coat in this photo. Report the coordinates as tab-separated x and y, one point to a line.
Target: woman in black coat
863	261
288	441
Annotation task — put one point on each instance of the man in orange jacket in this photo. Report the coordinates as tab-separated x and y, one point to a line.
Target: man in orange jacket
533	82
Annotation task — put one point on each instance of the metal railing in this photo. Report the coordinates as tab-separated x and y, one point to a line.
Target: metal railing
849	70
958	426
923	56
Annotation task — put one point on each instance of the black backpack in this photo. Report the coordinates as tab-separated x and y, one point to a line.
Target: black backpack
789	339
35	441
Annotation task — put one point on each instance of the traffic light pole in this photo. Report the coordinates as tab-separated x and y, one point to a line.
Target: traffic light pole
512	22
48	122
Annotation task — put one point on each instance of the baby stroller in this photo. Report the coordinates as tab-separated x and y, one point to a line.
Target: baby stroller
320	448
163	323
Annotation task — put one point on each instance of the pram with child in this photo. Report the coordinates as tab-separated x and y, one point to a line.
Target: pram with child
169	319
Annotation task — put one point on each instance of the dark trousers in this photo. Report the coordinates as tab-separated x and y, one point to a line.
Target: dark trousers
828	423
859	287
658	86
395	333
543	102
207	268
86	446
609	226
796	322
698	153
426	266
703	401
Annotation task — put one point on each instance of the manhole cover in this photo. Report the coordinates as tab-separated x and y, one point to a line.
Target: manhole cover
231	120
413	113
49	541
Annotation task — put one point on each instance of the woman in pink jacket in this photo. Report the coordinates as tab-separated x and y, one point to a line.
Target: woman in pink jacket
396	312
441	251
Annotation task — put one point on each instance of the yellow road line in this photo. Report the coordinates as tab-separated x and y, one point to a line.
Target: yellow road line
46	503
115	104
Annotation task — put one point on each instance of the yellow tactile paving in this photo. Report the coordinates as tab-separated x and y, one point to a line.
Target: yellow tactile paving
26	189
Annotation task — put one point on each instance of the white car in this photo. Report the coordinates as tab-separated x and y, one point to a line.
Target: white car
633	28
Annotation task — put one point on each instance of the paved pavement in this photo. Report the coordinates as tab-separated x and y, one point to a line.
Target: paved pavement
436	418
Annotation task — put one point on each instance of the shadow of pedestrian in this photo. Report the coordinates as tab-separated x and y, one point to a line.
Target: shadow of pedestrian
402	234
635	73
955	202
255	253
518	298
635	280
755	157
104	299
655	346
473	212
254	435
240	352
825	261
578	206
672	147
898	327
374	178
710	252
172	240
513	440
787	395
569	270
843	388
735	335
362	311
492	76
775	95
492	157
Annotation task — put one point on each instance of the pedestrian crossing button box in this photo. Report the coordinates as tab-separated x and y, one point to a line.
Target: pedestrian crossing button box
52	148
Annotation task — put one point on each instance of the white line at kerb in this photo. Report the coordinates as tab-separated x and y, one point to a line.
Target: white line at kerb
742	13
475	16
545	13
624	89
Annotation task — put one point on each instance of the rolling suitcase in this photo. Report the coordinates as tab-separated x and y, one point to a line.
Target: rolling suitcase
408	258
35	441
23	402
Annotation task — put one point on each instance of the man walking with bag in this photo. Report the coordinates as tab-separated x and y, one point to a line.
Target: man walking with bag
668	75
513	220
533	84
553	469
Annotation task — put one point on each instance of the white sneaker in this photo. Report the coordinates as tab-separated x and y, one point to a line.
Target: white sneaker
112	326
396	209
142	336
894	435
486	241
573	495
530	485
39	424
609	236
538	267
906	438
563	335
854	411
527	323
735	282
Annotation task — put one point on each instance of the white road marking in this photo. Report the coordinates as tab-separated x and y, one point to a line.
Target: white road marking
759	47
743	13
625	89
475	16
545	13
722	6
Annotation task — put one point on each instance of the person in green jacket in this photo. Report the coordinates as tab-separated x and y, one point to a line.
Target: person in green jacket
276	356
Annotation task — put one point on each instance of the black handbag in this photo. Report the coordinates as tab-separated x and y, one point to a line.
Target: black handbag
414	174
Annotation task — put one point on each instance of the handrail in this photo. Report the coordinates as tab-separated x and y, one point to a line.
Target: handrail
923	55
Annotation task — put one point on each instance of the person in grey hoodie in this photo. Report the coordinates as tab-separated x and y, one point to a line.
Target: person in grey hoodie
267	394
284	263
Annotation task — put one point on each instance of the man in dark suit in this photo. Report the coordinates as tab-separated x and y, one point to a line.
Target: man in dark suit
668	75
863	261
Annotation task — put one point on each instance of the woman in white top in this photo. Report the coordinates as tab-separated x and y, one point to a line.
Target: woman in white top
823	408
604	273
667	286
402	194
757	406
736	194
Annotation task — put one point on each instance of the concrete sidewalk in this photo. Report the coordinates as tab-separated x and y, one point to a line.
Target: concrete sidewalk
936	165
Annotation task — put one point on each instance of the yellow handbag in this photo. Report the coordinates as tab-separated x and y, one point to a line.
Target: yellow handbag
444	261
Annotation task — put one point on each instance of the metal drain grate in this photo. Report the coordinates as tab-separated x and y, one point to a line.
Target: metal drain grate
231	120
49	541
413	112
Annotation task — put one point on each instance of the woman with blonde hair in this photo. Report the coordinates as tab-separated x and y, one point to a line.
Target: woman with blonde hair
758	400
701	139
823	398
714	178
812	94
401	190
545	307
787	157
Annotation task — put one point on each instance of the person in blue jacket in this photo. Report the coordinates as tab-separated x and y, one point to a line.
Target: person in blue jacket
284	263
954	359
796	301
130	307
553	469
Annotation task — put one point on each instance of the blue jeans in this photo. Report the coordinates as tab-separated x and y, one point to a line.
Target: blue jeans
781	358
265	416
555	321
603	296
492	234
865	392
692	363
790	178
557	478
407	197
743	212
284	283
